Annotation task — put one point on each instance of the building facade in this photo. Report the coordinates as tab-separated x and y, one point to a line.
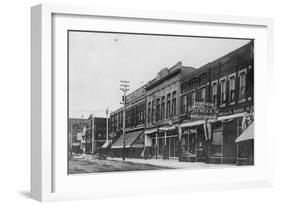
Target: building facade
162	112
77	133
96	134
215	100
191	114
134	126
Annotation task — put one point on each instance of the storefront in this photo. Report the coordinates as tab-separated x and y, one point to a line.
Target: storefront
245	146
134	145
193	142
212	140
162	143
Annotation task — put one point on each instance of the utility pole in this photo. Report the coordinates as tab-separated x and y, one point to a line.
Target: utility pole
124	87
107	110
93	133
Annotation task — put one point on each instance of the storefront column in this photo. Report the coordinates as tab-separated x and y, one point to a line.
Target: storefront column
179	145
156	145
145	145
165	146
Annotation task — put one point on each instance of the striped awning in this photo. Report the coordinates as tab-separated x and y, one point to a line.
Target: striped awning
130	138
247	134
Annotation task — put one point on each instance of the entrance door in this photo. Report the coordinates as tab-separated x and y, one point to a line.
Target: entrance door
192	143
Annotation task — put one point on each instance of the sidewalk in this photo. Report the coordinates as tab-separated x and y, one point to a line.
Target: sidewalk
172	163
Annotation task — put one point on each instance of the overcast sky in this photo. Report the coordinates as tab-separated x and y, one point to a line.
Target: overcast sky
98	61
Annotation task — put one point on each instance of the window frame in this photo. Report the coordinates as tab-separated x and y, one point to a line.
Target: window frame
230	77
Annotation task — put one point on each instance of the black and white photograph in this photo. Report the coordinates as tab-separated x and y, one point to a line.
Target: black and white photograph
139	102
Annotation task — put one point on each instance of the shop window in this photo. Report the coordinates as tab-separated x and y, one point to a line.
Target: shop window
217	140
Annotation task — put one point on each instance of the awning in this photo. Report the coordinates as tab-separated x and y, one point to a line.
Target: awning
193	123
247	134
168	128
105	145
231	116
150	131
130	138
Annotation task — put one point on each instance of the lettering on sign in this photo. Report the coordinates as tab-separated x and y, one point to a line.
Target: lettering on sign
202	110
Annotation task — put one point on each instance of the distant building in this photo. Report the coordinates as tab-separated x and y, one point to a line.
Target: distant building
77	130
96	136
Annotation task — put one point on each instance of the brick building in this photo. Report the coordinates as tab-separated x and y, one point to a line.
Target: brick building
134	125
215	99
77	131
162	112
96	134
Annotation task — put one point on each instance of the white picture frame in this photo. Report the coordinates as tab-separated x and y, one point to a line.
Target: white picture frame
49	182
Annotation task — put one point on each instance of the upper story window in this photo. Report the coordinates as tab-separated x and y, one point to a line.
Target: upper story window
193	97
157	109
153	111
162	112
193	82
242	85
223	90
149	112
168	108
215	93
202	78
203	94
184	104
174	103
232	88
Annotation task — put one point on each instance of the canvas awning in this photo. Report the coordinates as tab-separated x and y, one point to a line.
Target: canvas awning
167	128
130	138
105	145
193	123
150	131
247	134
231	116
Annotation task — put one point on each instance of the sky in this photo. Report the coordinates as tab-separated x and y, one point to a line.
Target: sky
98	61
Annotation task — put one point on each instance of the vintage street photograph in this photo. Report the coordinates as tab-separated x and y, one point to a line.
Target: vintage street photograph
139	102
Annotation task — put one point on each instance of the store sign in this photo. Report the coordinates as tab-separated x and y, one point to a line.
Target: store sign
202	110
236	111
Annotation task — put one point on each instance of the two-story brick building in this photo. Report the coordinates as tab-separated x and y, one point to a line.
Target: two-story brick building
215	99
134	125
162	112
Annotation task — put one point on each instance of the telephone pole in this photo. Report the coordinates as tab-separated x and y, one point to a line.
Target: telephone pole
124	87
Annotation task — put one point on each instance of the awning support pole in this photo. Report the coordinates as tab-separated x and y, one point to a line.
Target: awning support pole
156	144
165	145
